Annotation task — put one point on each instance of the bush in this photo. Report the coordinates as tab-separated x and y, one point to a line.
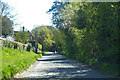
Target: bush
39	46
29	47
13	45
36	45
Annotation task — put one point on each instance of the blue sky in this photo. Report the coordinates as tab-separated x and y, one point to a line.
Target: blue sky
31	12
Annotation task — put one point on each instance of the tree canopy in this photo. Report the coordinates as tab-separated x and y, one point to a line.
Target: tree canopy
7	26
88	32
7	19
44	36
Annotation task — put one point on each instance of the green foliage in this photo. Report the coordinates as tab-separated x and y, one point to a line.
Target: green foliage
88	32
22	36
13	61
44	36
39	46
36	45
13	45
7	19
7	26
111	68
56	10
29	46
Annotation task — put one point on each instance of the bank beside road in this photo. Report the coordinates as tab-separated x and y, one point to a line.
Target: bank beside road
14	60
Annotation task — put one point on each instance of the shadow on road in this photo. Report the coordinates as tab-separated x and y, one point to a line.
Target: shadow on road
62	73
50	54
53	65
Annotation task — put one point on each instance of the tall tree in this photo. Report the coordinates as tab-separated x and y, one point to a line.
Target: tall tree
56	10
44	36
7	19
88	32
7	26
7	11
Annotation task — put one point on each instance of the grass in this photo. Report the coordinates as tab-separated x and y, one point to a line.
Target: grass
13	61
110	68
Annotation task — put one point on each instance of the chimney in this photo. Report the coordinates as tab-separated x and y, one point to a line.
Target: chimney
23	28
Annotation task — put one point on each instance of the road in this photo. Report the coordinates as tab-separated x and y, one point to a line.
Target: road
57	66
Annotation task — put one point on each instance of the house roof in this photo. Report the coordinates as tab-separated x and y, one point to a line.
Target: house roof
16	31
31	34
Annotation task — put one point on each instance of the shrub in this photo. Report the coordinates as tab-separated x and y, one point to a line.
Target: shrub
39	46
36	45
29	47
13	45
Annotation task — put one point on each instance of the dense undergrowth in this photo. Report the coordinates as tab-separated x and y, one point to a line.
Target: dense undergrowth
13	61
89	32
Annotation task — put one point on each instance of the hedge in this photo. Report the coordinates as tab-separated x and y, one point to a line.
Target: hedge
13	44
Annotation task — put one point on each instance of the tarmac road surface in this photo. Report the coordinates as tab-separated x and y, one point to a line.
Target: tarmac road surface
53	65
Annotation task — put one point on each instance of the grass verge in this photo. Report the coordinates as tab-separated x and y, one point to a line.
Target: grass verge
13	61
108	68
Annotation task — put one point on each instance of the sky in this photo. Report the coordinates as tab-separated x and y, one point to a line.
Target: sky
31	12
